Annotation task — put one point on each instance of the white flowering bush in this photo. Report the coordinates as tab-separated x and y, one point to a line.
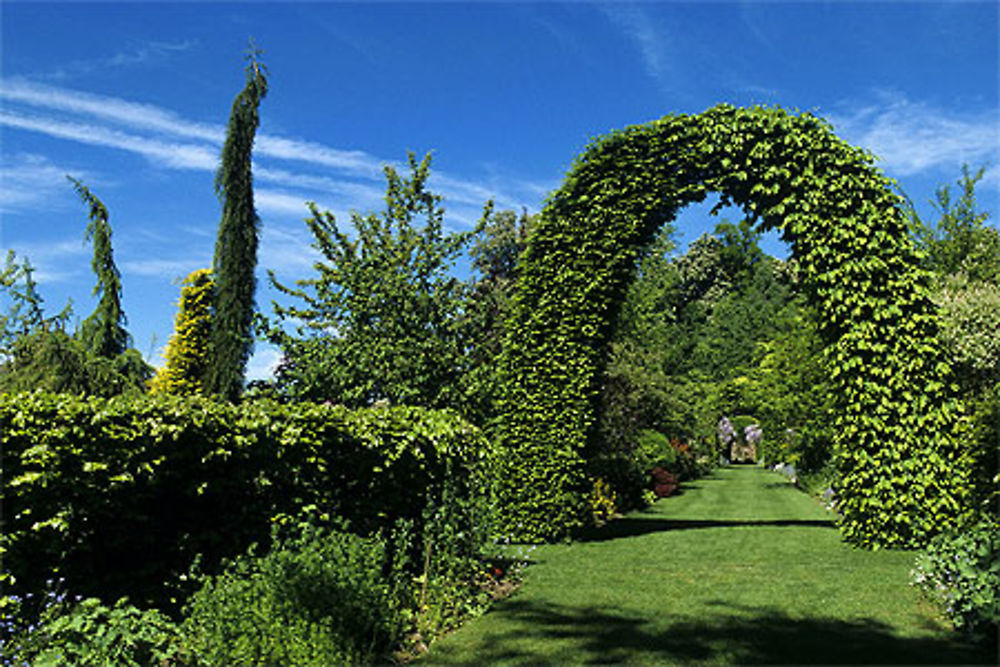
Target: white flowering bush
970	326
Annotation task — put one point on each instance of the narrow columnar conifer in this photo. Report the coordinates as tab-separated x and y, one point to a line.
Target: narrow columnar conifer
103	333
187	350
236	245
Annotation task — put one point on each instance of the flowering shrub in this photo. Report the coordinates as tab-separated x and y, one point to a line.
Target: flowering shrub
961	570
664	483
727	434
603	501
970	327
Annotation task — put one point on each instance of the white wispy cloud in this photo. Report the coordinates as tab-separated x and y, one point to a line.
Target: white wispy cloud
288	172
102	107
171	141
649	39
56	261
171	268
147	52
910	137
357	162
349	190
28	180
154	119
168	154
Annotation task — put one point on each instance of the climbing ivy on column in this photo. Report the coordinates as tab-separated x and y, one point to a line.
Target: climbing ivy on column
902	472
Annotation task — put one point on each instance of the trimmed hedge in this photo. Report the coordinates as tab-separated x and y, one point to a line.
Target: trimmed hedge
118	496
903	474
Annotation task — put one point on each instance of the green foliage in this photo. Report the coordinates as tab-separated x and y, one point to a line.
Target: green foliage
37	353
961	571
603	502
317	597
965	255
84	479
637	389
970	328
495	252
25	314
654	450
188	348
383	319
794	399
960	241
903	476
57	362
236	245
684	344
103	333
88	632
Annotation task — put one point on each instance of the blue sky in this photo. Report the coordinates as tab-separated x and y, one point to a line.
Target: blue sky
133	99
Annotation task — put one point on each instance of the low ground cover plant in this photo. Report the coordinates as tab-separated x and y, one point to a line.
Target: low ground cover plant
961	571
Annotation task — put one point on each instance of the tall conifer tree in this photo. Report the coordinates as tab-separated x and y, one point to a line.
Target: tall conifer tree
103	333
236	245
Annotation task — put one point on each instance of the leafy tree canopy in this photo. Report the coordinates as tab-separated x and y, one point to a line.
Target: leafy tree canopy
383	318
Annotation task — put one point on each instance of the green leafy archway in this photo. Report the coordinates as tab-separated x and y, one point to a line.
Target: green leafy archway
902	475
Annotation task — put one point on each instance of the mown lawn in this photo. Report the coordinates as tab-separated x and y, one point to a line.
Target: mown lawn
741	568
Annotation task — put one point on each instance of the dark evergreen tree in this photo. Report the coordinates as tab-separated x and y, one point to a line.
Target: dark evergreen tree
103	333
236	245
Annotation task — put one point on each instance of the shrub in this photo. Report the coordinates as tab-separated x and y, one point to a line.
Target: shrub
626	479
603	502
654	450
120	494
87	632
319	596
664	483
961	570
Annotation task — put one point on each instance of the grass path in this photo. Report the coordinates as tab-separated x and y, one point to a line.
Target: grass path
741	568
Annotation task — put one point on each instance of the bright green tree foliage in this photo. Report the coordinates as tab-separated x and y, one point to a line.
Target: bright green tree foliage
236	245
792	395
902	476
187	350
963	250
103	333
960	241
382	321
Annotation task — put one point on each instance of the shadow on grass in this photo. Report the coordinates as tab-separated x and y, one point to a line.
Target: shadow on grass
631	526
541	633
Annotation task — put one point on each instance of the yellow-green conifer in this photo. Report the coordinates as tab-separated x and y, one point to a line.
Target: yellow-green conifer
187	349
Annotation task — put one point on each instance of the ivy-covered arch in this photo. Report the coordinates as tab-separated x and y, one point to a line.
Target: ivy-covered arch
902	475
